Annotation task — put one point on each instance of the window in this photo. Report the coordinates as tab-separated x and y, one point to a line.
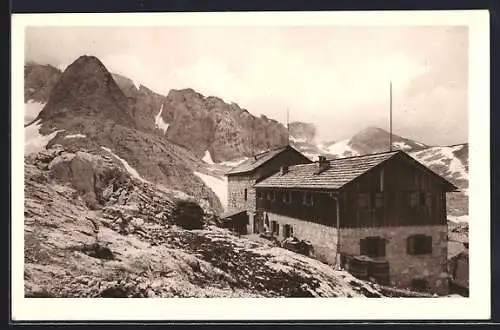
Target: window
363	201
377	200
287	197
271	196
421	199
413	199
246	194
419	244
308	199
287	231
260	195
372	246
275	228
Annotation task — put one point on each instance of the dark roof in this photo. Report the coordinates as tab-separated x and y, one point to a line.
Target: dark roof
254	162
340	172
231	213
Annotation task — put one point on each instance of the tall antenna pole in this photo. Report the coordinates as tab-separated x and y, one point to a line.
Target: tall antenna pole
251	140
390	115
287	127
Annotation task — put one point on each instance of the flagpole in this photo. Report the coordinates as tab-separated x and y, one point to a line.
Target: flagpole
288	126
390	115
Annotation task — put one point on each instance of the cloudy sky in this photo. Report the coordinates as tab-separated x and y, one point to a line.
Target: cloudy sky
335	77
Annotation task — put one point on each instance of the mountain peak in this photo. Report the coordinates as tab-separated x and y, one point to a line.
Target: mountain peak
86	87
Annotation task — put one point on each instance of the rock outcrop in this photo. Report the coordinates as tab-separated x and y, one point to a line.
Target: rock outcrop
87	88
201	123
39	80
131	247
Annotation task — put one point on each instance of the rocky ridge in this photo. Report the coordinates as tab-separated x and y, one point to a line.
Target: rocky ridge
132	244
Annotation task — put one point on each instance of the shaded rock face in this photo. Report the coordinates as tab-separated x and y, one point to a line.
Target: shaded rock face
146	103
195	122
304	132
87	102
153	157
87	88
199	123
39	80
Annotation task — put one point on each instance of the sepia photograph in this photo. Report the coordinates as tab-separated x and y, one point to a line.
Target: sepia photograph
215	160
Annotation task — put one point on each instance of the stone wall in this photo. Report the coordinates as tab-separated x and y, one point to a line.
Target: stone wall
236	196
403	266
323	238
236	193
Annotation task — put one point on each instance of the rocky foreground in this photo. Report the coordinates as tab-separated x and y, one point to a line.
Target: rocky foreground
92	230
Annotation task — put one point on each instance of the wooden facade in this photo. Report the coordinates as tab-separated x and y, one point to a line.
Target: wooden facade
395	193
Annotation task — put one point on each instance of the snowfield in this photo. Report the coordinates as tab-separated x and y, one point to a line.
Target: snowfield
207	158
458	219
298	140
401	146
129	168
339	148
443	156
159	123
31	110
34	141
233	163
75	136
217	184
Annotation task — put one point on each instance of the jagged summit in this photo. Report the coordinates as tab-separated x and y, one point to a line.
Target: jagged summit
86	87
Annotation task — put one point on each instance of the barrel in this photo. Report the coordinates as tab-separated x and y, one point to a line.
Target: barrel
358	267
379	270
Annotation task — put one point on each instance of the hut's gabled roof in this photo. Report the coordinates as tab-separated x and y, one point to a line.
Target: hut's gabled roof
254	162
340	172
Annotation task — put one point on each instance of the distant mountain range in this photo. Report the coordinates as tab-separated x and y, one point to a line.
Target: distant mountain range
169	138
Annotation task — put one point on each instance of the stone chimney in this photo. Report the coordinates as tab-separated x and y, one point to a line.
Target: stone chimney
284	169
323	164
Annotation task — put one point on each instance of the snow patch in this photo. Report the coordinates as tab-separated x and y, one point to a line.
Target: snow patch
160	124
311	156
31	110
129	168
458	219
401	145
34	141
217	184
233	163
75	136
437	156
339	148
136	84
207	158
298	140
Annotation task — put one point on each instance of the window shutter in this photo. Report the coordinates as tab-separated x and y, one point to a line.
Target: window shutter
381	247
410	244
363	245
428	244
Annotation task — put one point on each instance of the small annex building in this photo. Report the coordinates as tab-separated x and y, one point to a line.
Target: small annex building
241	180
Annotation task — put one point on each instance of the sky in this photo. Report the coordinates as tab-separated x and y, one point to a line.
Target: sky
335	77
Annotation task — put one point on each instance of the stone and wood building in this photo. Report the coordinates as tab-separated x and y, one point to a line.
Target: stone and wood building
242	178
385	207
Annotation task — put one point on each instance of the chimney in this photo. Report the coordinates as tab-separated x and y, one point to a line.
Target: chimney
284	169
323	164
